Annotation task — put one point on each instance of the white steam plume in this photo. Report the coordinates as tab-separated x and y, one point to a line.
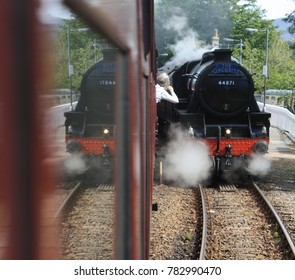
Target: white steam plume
259	165
188	46
187	161
75	165
177	23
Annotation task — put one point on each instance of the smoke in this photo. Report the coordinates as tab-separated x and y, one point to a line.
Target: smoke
177	23
259	165
188	46
185	50
75	165
187	161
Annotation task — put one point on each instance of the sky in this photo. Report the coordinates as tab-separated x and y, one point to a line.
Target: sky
53	8
274	8
277	8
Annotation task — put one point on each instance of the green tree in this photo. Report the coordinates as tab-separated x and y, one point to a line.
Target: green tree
245	16
281	66
81	39
60	61
175	20
288	101
291	19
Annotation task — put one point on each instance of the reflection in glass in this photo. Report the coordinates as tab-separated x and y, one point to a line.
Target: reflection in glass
86	229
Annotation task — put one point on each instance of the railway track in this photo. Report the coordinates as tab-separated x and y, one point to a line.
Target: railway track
207	223
87	224
243	225
64	198
176	226
284	203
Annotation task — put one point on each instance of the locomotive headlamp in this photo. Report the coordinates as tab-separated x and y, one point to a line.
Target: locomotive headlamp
106	132
227	132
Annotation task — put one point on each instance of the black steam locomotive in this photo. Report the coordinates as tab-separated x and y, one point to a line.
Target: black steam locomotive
90	128
217	106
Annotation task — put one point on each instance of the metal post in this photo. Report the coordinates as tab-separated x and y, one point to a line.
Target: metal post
241	50
94	49
70	68
240	43
265	72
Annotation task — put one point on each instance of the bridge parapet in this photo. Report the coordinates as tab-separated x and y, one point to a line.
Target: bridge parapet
281	118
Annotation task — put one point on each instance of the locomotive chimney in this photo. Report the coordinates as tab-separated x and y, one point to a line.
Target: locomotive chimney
215	39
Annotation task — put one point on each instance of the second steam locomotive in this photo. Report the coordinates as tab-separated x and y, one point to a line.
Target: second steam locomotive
90	128
217	106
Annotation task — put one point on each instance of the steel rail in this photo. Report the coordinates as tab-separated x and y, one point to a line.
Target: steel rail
204	228
65	203
278	220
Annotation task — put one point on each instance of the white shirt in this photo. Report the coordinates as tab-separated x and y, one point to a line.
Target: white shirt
161	93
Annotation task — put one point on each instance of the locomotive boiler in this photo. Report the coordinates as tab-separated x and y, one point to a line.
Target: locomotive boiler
217	106
90	128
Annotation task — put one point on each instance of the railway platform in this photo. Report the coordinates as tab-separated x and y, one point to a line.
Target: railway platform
280	146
